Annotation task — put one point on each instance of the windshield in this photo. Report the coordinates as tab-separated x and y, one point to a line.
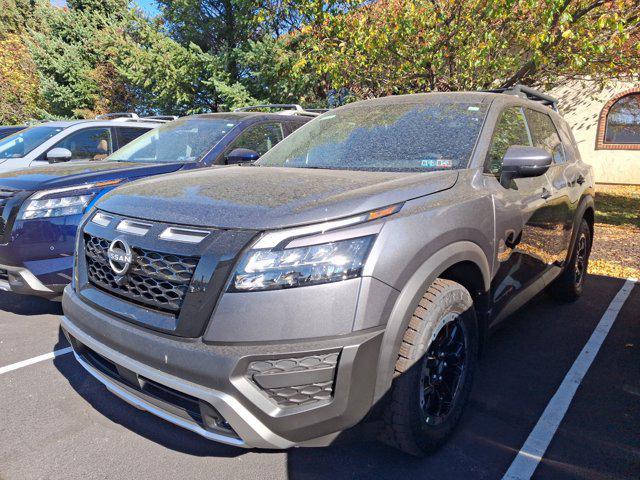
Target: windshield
24	142
402	137
183	140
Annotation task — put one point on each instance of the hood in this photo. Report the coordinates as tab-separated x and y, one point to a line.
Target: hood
77	173
266	198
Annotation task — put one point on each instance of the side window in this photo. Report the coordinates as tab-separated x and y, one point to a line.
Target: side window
545	134
127	134
511	129
260	138
88	144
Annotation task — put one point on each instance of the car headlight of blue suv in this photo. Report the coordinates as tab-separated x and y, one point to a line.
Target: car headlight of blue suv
61	202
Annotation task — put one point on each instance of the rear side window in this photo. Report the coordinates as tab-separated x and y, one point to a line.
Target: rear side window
259	138
510	130
88	144
126	134
545	134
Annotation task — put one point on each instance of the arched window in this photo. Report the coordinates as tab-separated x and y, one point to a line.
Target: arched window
619	126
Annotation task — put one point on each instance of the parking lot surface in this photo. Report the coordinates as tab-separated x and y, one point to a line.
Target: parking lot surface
58	422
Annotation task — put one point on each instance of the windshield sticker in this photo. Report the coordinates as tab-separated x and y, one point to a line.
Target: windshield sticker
441	163
473	109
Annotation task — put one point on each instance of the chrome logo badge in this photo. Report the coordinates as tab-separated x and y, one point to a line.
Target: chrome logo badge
120	256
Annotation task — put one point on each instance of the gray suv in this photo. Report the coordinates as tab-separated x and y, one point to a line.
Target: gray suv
360	262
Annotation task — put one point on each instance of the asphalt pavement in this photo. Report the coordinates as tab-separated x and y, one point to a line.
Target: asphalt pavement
58	422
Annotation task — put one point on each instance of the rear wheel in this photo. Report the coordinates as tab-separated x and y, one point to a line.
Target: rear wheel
569	285
428	396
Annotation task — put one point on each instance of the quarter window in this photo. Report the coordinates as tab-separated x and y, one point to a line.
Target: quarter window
88	144
260	138
127	134
545	135
511	129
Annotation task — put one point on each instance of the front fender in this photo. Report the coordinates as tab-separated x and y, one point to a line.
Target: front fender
410	295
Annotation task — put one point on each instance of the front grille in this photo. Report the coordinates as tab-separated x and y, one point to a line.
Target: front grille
156	279
5	195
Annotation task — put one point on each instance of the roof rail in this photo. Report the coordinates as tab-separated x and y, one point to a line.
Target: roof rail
282	106
117	116
530	94
286	109
166	118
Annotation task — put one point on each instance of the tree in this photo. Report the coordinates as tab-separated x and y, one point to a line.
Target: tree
403	46
172	78
18	81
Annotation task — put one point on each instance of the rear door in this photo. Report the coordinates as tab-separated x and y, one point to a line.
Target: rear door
521	214
560	204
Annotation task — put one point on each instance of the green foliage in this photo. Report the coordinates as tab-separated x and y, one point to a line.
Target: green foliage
174	78
207	55
18	81
404	46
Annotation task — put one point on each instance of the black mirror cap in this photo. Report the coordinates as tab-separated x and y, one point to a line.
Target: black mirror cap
522	161
57	155
242	155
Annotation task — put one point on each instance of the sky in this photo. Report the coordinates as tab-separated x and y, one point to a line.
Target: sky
150	7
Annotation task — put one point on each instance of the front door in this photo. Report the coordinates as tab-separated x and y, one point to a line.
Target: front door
523	217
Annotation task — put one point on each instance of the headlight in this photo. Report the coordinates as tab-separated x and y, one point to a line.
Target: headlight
55	207
61	202
270	269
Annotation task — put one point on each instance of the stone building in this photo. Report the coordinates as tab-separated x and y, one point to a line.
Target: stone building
606	124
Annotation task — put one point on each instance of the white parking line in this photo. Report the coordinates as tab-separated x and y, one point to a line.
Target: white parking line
535	446
31	361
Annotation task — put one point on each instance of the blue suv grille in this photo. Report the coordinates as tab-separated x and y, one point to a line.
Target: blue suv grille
157	280
5	195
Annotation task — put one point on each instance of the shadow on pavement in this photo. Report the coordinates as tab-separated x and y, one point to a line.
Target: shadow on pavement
142	423
28	305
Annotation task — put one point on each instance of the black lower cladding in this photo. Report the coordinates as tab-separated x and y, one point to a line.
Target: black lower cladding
172	401
156	279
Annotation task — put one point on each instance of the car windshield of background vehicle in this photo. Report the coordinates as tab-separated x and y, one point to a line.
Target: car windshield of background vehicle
183	140
25	141
403	137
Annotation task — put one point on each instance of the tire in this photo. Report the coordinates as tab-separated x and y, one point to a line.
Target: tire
569	285
415	417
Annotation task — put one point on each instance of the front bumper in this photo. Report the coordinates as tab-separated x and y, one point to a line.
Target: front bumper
155	372
24	281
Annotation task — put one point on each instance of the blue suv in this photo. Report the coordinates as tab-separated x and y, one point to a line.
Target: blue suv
41	207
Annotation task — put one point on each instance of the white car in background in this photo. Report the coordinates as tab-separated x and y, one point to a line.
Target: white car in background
73	140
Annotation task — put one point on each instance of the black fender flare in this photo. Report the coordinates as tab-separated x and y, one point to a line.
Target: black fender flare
587	201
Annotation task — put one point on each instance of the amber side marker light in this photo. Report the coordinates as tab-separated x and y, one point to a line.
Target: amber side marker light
384	212
107	183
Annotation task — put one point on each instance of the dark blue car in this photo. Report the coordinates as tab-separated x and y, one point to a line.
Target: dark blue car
42	207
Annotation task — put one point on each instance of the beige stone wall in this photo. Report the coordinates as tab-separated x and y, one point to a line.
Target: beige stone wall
581	102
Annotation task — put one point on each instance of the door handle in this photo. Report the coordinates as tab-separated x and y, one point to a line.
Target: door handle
545	194
580	180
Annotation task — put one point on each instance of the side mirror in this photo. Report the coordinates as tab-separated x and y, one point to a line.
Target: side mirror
522	162
57	155
242	155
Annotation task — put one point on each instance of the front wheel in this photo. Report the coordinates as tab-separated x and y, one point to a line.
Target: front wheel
431	389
